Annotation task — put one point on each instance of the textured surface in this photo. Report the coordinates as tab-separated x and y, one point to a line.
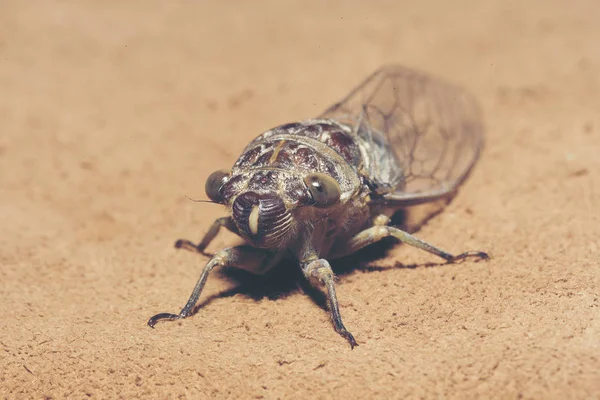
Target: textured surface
111	114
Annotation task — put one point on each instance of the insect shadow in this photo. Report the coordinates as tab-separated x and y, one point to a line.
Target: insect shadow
286	277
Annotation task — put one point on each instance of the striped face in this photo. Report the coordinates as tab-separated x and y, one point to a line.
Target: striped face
262	218
291	167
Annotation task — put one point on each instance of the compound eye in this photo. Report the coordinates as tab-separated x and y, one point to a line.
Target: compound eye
213	185
324	189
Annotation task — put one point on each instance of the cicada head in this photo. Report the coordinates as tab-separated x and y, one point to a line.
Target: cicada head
264	203
262	219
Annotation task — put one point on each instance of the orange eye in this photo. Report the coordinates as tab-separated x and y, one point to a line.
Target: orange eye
214	183
324	189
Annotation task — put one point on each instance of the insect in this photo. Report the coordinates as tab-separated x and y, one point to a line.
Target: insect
324	188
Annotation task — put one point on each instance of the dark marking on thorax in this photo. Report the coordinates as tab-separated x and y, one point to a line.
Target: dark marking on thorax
270	150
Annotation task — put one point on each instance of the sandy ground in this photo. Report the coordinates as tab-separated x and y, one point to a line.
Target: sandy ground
111	114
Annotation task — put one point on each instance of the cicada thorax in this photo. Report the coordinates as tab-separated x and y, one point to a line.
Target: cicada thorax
302	153
268	190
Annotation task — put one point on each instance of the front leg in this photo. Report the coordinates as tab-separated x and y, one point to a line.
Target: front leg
320	271
214	229
246	257
378	232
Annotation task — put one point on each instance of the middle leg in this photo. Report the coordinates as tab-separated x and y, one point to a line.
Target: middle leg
214	229
376	233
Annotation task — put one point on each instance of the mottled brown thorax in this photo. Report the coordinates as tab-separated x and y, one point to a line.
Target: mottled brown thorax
277	159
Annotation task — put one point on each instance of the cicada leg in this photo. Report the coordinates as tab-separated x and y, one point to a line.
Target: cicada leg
320	271
241	256
380	231
214	229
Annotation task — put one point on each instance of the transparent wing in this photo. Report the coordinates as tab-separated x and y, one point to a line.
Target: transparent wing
422	135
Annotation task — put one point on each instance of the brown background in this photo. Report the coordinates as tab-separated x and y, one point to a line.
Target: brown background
111	114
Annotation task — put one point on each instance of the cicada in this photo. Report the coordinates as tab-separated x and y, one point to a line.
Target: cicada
323	188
